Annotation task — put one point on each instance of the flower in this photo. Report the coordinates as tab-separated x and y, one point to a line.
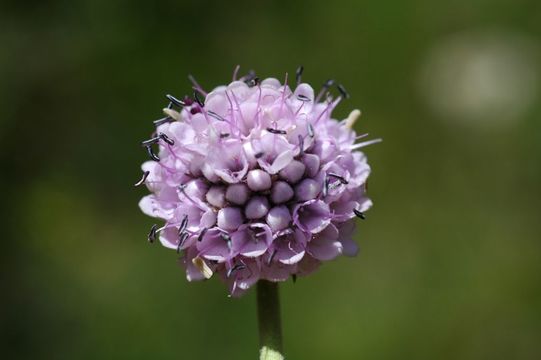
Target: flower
256	181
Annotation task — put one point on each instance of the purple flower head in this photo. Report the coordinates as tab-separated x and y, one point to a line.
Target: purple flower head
255	180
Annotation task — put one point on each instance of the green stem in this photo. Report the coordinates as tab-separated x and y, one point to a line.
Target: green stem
270	327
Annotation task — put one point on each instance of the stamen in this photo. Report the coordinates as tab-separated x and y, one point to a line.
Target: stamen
143	179
224	135
259	155
152	234
151	141
163	120
216	116
235	268
271	257
352	118
298	74
174	100
359	214
343	91
326	86
196	86
276	131
366	143
202	266
311	130
181	239
167	139
301	145
326	181
227	239
235	72
302	97
201	234
340	178
172	113
198	100
151	153
254	82
248	77
183	224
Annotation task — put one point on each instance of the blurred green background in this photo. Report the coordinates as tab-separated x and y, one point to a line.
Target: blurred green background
450	258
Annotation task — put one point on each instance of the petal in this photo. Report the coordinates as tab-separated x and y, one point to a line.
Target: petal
281	161
350	247
325	245
312	216
213	246
251	240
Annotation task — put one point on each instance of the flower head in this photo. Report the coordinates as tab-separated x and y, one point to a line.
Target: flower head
256	181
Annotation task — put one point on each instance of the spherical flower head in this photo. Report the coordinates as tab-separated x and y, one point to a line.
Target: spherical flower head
256	181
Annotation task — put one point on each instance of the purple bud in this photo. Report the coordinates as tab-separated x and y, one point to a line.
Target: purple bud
311	162
278	218
230	218
237	194
257	207
281	192
216	196
307	189
293	172
259	180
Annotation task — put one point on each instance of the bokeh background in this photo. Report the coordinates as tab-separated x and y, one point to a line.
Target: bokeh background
451	252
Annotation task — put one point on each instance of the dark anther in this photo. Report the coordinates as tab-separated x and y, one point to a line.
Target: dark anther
325	185
183	224
162	121
254	82
294	278
151	153
310	130
199	101
227	239
259	155
298	74
301	145
271	257
343	91
166	138
174	100
304	98
149	142
249	77
188	100
216	116
276	131
359	214
201	234
224	135
327	84
170	105
143	179
235	268
340	178
181	239
152	234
